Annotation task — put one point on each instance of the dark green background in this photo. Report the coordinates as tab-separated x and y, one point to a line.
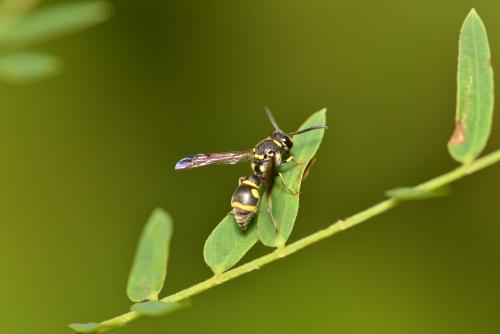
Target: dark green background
87	155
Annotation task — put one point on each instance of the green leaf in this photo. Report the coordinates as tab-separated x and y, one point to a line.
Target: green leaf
475	92
27	66
415	193
89	327
95	327
158	308
150	264
55	21
285	204
227	244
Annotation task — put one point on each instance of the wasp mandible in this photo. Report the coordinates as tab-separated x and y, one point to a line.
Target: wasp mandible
269	154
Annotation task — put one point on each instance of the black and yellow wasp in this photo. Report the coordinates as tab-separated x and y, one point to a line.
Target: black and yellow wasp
269	154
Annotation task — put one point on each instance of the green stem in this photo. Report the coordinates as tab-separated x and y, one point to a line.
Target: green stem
336	227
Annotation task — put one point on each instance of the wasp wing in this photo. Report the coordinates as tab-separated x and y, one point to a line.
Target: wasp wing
268	179
205	159
268	176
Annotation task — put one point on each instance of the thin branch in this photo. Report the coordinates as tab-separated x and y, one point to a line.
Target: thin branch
339	226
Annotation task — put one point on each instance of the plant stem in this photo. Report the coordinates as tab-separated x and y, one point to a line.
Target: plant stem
336	227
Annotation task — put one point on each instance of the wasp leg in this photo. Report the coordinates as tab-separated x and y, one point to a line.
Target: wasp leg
290	190
292	158
270	211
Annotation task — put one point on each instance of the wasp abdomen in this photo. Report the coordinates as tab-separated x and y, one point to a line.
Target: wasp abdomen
245	200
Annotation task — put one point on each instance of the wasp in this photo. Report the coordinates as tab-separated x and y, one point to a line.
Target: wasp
266	157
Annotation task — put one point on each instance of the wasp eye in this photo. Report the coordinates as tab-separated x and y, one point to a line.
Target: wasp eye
288	142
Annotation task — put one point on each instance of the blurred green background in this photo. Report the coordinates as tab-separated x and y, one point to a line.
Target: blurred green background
88	154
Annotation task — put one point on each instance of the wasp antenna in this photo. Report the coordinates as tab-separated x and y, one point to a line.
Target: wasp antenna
271	118
316	127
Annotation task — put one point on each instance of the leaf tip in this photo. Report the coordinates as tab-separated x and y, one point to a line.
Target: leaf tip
159	214
159	211
323	112
473	15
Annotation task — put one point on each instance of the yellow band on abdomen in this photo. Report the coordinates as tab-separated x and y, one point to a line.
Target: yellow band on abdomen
250	183
243	206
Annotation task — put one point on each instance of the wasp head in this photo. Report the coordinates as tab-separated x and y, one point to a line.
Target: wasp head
284	139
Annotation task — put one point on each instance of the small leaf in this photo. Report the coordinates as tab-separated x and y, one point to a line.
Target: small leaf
95	327
150	264
55	21
227	244
285	204
415	193
474	92
27	66
158	308
89	327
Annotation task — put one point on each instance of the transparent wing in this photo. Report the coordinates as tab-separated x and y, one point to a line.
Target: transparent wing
268	177
205	159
